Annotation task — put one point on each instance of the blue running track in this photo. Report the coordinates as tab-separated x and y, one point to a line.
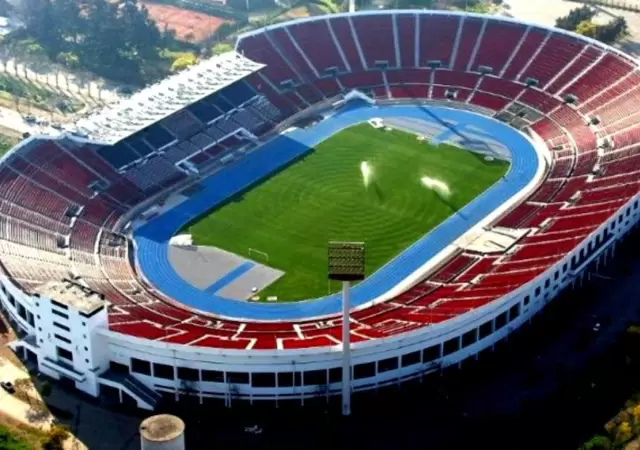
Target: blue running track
152	238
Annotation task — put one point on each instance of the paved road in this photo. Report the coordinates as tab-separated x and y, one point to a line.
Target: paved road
93	93
13	120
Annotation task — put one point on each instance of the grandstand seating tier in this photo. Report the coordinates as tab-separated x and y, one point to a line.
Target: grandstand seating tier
52	192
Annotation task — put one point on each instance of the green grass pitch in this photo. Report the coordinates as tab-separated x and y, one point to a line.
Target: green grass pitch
292	215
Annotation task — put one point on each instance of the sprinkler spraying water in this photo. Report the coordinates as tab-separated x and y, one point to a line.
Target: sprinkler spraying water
367	173
441	188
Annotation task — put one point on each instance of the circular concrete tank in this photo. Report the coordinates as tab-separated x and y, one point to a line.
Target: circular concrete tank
162	432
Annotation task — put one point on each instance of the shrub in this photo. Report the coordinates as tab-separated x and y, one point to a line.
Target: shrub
221	47
587	28
55	438
623	433
183	61
5	144
10	442
597	443
576	16
45	389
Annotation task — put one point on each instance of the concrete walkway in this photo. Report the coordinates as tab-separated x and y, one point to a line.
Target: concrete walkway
56	77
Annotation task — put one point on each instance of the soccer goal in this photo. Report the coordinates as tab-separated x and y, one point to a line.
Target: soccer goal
263	255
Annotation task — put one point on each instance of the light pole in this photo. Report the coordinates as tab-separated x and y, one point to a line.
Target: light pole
346	264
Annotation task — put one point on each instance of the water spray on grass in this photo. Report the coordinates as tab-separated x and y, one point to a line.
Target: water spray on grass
441	188
367	173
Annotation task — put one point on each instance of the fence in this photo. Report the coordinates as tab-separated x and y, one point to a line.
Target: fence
628	5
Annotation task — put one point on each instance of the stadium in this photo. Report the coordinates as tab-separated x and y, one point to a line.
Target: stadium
488	164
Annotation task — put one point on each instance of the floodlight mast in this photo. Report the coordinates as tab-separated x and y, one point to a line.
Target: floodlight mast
346	264
346	349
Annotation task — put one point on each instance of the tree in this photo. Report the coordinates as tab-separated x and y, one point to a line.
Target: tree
326	6
224	31
105	44
68	60
114	39
5	146
41	20
141	35
7	53
189	37
613	31
168	36
587	28
414	3
221	47
579	20
576	16
183	61
74	23
100	86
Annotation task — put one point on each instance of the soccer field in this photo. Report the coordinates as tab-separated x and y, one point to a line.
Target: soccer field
292	215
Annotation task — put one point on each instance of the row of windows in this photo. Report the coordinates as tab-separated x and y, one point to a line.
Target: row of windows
601	239
20	308
60	314
333	375
62	327
62	338
64	353
59	305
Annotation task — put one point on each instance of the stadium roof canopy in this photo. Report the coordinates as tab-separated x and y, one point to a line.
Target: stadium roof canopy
121	120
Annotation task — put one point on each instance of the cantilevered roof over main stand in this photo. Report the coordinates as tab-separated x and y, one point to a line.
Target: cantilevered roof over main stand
170	95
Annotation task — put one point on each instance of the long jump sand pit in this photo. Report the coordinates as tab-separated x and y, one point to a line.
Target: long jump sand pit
189	25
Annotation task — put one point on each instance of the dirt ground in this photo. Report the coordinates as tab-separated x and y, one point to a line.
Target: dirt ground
7	335
11	134
190	26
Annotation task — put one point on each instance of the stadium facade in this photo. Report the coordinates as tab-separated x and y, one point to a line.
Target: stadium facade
88	315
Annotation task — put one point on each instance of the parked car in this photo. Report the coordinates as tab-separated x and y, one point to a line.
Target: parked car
255	429
8	386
